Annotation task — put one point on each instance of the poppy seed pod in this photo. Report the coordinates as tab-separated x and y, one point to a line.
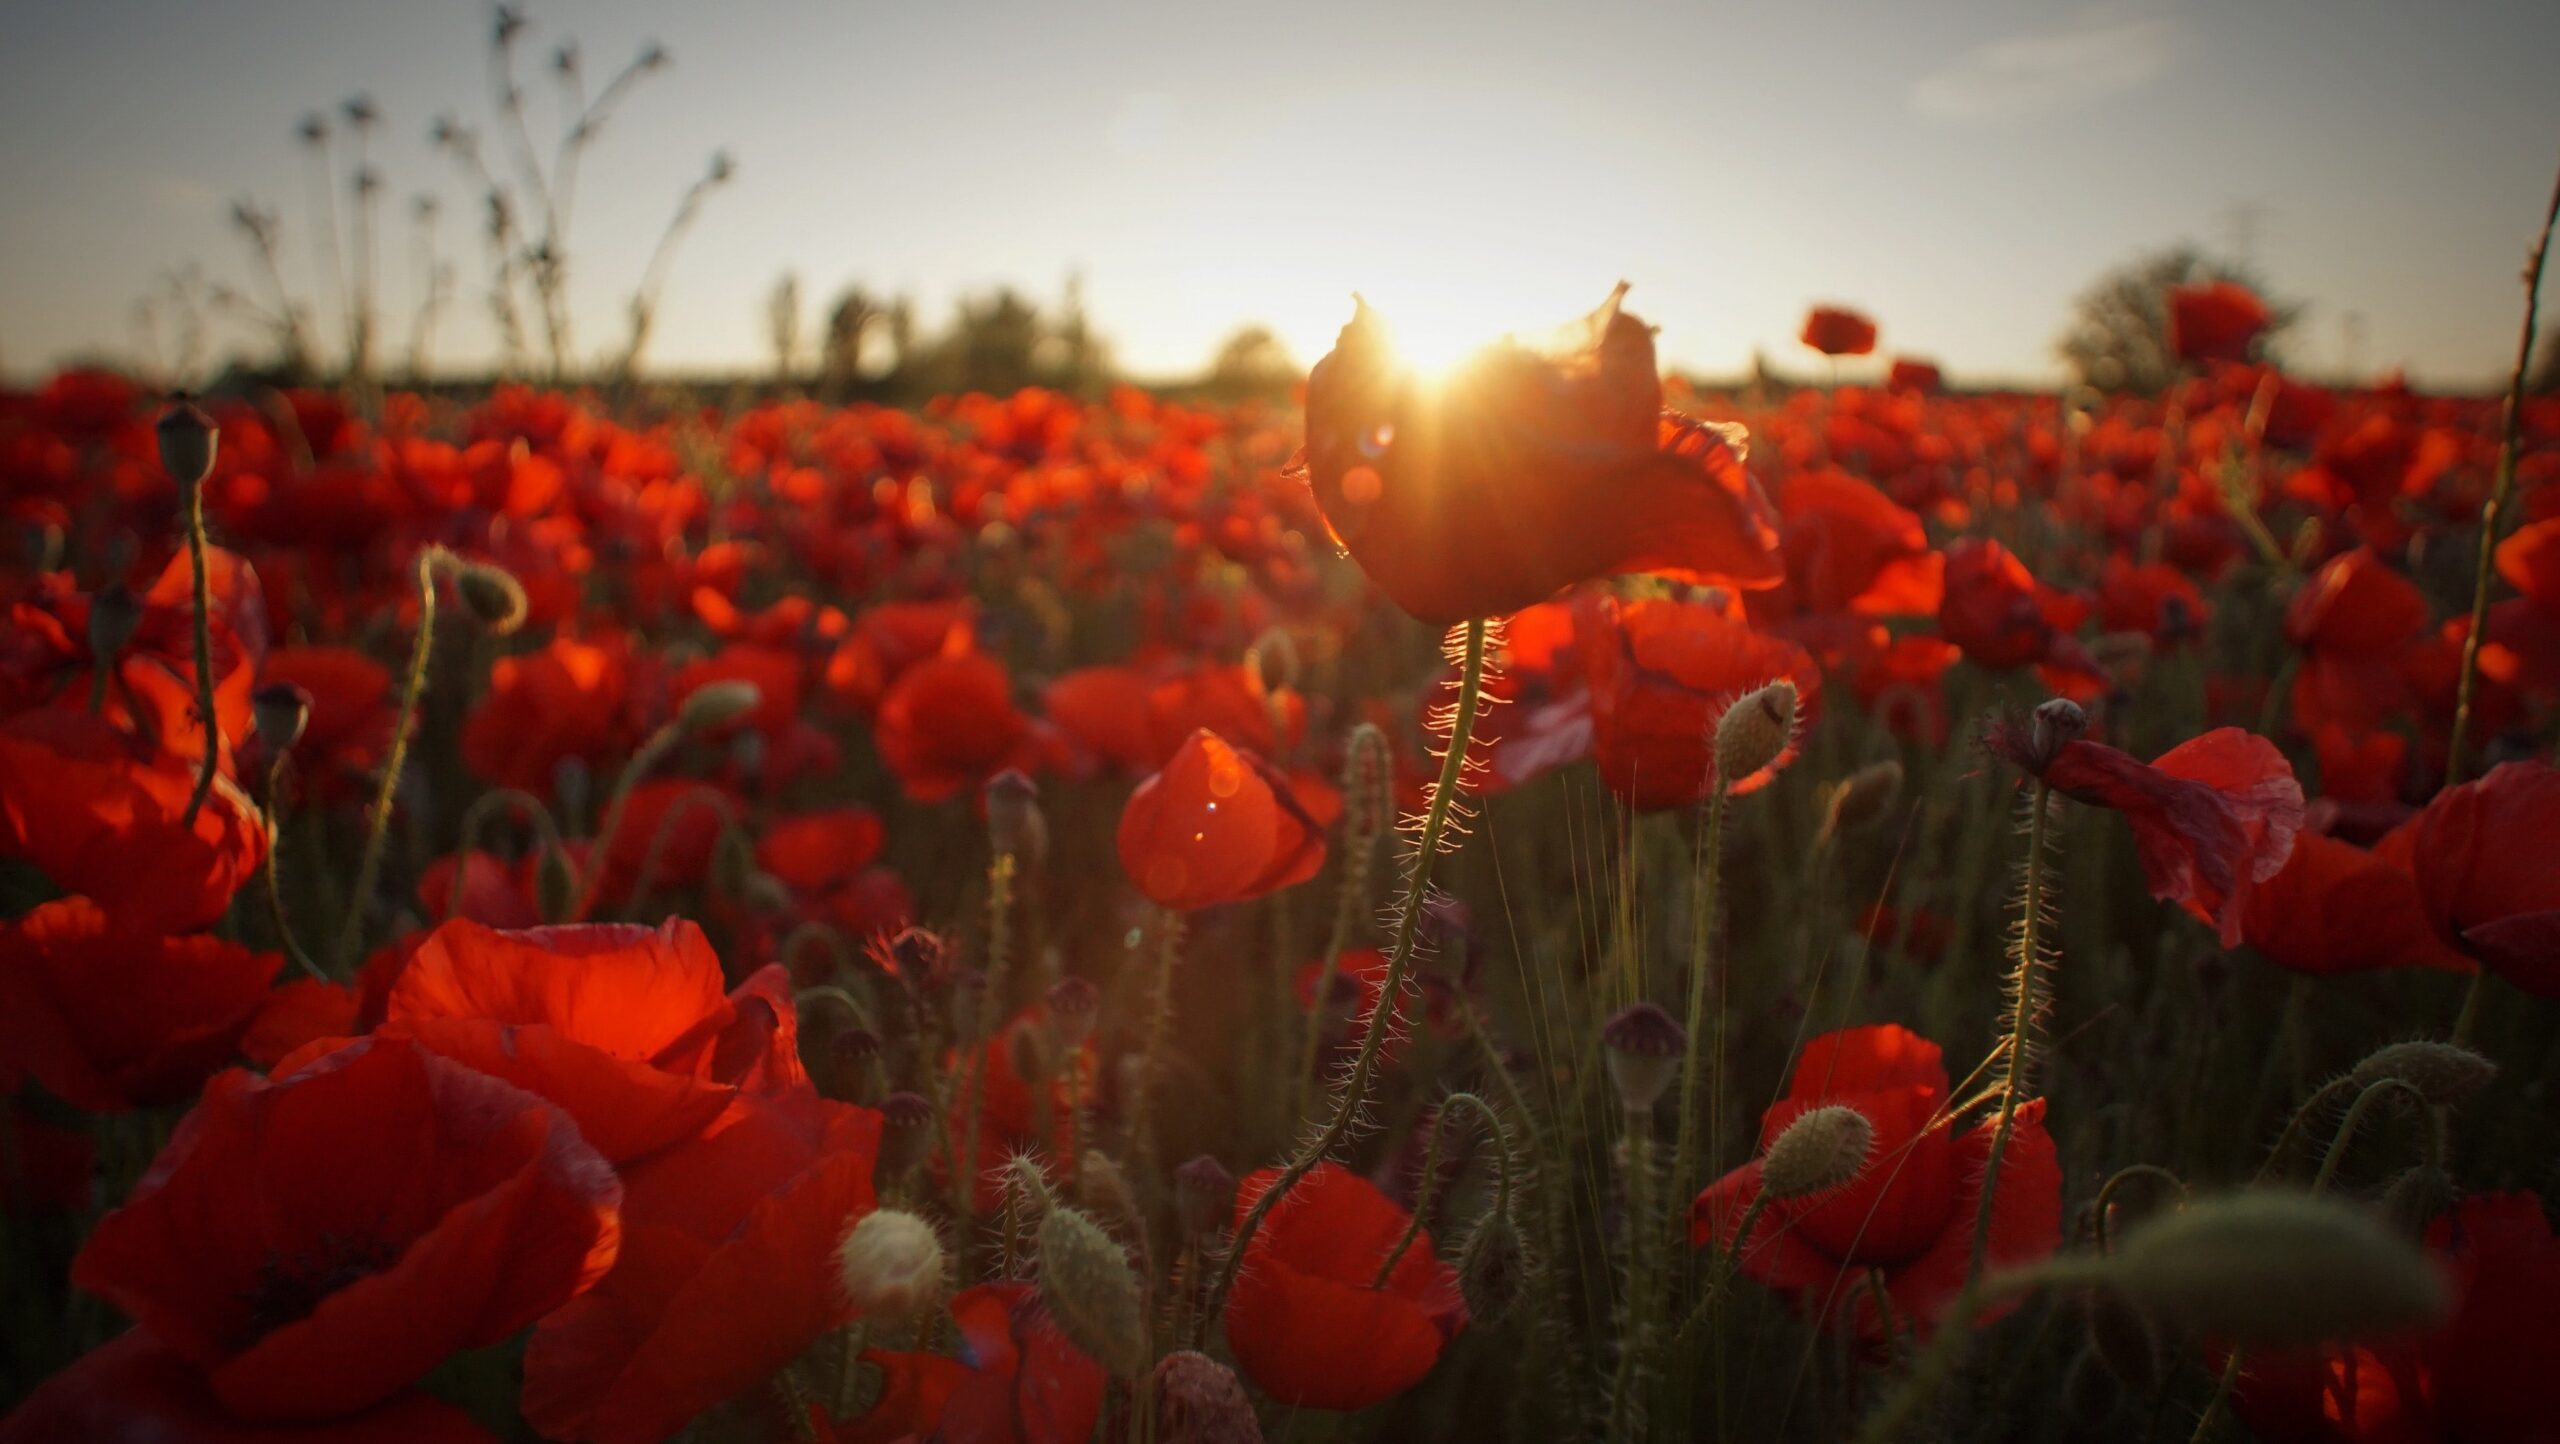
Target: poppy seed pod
854	1045
714	705
187	441
115	614
1493	1268
1014	822
906	1132
1645	1045
1200	1401
2447	1073
281	710
1754	731
1086	1281
2277	1270
1821	1150
1204	1193
893	1265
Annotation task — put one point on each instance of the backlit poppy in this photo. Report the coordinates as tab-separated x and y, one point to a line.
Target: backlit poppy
1034	1116
948	723
101	815
568	699
1662	674
1216	826
2334	908
109	1017
2481	854
350	718
2002	617
2214	321
1838	331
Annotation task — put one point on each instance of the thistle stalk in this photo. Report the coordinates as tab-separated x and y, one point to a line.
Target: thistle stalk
2032	902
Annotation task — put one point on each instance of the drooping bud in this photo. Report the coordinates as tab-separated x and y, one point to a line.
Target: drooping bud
1204	1196
1755	731
1086	1281
1493	1267
115	614
2447	1073
2057	721
715	705
1862	797
555	884
492	595
187	442
893	1265
281	710
1645	1045
906	1135
1015	825
1200	1401
2417	1196
2271	1269
1274	659
767	893
1823	1149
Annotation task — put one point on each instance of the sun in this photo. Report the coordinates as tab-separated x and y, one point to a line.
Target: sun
1436	330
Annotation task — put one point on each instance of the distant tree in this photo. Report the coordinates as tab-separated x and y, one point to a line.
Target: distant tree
1252	361
2118	339
782	325
850	324
994	344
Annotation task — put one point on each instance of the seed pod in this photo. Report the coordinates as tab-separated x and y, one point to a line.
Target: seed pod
115	614
2447	1073
1200	1401
1086	1281
188	439
1493	1268
1821	1150
714	705
281	710
1645	1045
1754	731
1204	1196
893	1265
2056	722
2272	1269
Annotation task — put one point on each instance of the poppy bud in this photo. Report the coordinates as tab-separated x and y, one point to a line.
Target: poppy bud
2123	1340
906	1132
1754	731
893	1265
1493	1268
1086	1281
1026	1187
281	710
714	705
573	782
1862	797
1274	659
115	614
1645	1047
1103	1188
1200	1401
2447	1073
2415	1198
187	442
1204	1195
767	893
733	863
2090	1392
2056	721
492	595
555	884
916	955
1014	823
1821	1150
2277	1270
1075	1004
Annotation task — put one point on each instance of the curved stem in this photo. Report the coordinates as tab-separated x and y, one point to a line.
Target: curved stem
651	753
1422	1196
275	888
378	824
204	657
477	817
2107	1192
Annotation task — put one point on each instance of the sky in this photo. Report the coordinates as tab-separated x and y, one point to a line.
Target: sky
1959	169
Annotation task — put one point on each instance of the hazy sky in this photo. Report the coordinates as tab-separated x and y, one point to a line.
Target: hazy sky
1958	168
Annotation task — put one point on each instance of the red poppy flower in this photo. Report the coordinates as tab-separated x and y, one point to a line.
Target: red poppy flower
1914	375
135	1388
2481	854
1304	1318
949	723
1838	331
1849	549
2002	617
297	1015
914	1387
1216	826
317	1242
2213	817
493	891
2214	321
2482	1375
821	854
1035	1116
1233	702
1909	1214
625	1027
669	829
568	699
2355	621
2153	598
55	1170
2530	562
1525	472
110	1017
1103	712
101	817
1018	1381
727	1272
2335	908
1662	674
350	720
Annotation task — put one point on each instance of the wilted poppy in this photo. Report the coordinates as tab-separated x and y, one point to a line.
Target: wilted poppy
101	815
1838	331
1525	471
137	1388
110	1017
1909	1213
1216	826
2481	854
1306	1318
2214	321
317	1242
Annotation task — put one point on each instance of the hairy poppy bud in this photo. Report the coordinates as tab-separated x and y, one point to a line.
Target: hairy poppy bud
1204	1194
1755	731
714	705
2056	722
1645	1046
1103	1188
281	710
2123	1340
1862	797
906	1133
187	441
916	956
1075	1004
115	614
492	595
1026	1187
2447	1073
1200	1401
767	893
2277	1270
1821	1150
1014	822
555	884
1086	1281
2415	1198
893	1265
1493	1267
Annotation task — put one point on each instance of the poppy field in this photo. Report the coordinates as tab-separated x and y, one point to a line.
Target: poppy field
1535	902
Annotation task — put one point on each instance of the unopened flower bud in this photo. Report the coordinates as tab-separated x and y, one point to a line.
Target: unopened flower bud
1863	797
1014	823
1645	1045
767	893
492	595
1104	1189
2056	722
1493	1268
1086	1281
555	884
115	614
1823	1149
1200	1401
1755	732
281	710
2417	1196
1204	1196
2447	1073
187	441
893	1265
715	705
2277	1270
